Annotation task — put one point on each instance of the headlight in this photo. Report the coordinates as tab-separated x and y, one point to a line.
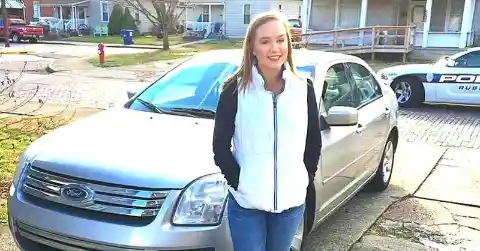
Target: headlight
202	202
23	161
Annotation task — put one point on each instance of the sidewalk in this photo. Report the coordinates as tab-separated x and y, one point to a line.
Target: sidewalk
134	46
442	214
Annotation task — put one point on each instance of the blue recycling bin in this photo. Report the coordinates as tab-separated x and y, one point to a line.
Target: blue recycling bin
127	36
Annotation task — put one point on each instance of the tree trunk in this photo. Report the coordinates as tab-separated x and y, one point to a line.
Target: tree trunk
166	44
6	28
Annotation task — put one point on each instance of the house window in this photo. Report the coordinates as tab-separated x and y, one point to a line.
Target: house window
205	14
246	13
104	11
447	15
36	9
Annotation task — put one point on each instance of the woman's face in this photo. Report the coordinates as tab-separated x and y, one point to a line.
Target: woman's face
270	46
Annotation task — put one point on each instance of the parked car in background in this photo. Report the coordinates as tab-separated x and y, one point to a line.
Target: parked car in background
142	176
19	30
453	79
296	29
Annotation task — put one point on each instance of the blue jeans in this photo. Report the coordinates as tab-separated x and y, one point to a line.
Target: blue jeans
254	230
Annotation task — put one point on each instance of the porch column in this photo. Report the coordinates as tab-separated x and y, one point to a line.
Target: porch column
426	24
467	20
363	20
209	13
304	15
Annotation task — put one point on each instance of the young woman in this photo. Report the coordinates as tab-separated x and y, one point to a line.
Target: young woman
272	115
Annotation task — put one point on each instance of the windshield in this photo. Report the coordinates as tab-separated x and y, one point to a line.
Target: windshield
193	86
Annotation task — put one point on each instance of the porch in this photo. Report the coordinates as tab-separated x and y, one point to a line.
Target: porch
438	23
72	15
204	20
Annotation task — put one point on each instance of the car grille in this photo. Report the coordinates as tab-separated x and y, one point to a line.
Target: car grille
90	195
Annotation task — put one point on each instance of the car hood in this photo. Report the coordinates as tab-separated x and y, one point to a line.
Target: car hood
130	148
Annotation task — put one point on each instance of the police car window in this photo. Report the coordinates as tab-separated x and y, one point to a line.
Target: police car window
366	84
337	89
471	59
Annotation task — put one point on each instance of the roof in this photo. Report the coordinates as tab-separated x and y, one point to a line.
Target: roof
301	56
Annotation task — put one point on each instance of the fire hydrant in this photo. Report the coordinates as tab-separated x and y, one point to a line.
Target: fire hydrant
101	53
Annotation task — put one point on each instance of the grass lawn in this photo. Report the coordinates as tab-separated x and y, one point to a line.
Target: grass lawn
16	133
141	58
140	40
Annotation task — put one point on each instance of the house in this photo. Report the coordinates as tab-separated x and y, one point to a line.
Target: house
34	10
438	23
204	15
238	13
15	8
74	14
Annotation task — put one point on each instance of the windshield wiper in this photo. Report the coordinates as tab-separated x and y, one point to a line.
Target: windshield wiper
195	111
157	109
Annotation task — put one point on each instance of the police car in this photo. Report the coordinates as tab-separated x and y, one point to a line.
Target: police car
453	80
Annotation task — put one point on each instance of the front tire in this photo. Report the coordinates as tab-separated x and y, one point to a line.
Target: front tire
409	91
15	37
382	177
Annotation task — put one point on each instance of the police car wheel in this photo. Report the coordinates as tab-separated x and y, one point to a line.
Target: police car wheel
409	91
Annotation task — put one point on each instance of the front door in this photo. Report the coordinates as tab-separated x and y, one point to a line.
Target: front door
373	119
417	14
341	144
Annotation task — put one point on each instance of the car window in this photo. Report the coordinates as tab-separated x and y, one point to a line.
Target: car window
468	60
365	83
194	85
337	89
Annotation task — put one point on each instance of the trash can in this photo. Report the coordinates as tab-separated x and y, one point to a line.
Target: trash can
127	36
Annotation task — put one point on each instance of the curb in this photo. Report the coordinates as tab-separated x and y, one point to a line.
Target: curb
106	45
14	52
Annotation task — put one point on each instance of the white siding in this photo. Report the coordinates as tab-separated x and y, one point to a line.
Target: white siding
195	11
235	26
145	26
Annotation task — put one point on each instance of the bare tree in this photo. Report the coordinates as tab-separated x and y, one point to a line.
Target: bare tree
162	13
6	28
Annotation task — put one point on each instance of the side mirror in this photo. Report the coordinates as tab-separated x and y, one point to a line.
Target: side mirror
342	116
131	93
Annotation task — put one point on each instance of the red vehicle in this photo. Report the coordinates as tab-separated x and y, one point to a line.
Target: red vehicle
19	30
296	29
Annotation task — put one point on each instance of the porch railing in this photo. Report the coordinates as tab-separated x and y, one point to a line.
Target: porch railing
63	25
386	39
203	29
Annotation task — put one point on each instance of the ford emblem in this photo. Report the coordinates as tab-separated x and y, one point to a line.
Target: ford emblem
76	193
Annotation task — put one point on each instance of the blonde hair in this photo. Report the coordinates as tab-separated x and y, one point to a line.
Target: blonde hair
245	70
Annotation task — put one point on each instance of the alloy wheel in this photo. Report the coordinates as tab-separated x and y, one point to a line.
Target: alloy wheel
403	91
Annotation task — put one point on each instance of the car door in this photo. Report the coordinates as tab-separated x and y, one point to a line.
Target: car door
373	118
460	81
341	145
